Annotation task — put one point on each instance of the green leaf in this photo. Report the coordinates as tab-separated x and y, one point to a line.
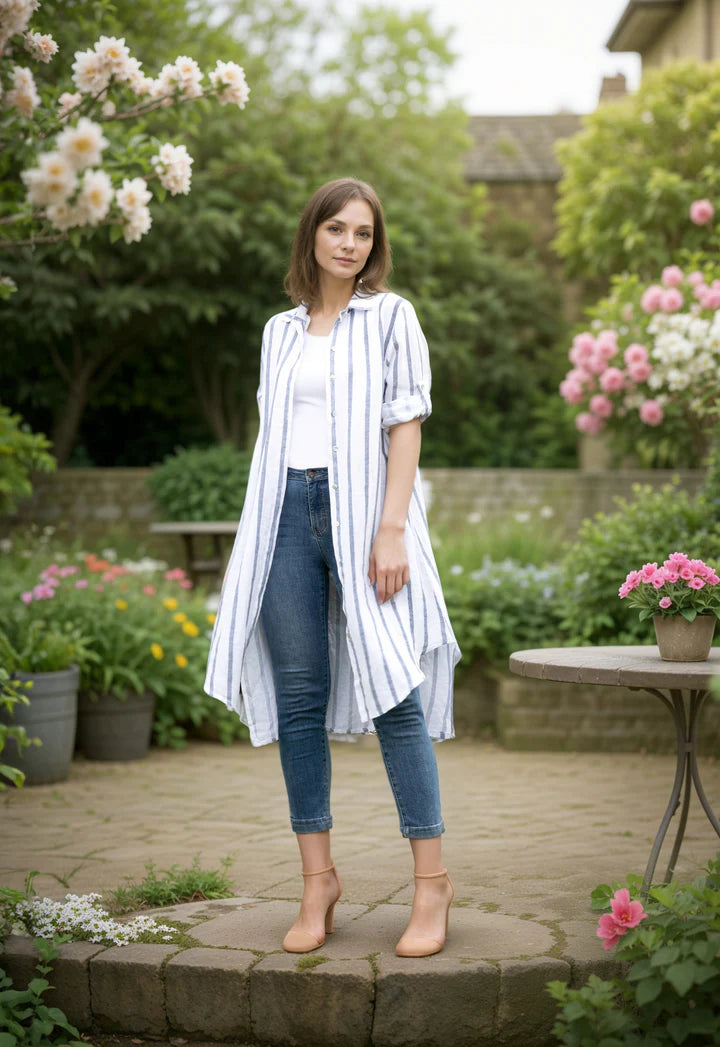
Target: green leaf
682	976
678	1029
689	613
648	991
666	955
115	232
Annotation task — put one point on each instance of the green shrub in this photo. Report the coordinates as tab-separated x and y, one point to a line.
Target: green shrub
20	452
670	991
655	524
202	483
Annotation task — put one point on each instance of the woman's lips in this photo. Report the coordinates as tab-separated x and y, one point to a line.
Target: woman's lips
345	261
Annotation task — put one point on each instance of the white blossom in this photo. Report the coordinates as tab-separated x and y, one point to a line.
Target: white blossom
83	918
41	46
68	101
23	95
182	75
96	195
82	144
173	165
132	196
228	79
137	225
114	56
90	73
52	181
14	18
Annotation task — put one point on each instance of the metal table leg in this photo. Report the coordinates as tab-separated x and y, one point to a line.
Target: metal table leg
686	721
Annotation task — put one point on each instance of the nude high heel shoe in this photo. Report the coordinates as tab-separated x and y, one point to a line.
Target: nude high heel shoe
410	945
303	941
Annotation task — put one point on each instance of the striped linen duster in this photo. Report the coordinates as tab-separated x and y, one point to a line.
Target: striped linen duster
378	375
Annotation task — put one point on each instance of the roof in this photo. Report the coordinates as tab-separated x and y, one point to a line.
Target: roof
641	23
517	148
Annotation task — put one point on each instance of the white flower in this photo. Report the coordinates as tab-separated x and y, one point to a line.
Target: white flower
67	102
14	18
90	74
139	82
41	46
137	225
133	196
23	95
173	164
189	76
82	144
522	517
228	79
108	108
96	195
51	182
457	568
547	512
114	56
64	216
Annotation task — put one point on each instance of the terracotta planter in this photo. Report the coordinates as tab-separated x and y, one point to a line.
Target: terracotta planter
682	641
51	716
111	728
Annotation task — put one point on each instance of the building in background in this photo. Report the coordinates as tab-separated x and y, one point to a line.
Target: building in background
663	31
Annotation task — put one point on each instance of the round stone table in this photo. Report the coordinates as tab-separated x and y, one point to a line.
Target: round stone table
681	686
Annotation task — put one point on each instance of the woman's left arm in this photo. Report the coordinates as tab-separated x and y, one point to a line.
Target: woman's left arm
389	569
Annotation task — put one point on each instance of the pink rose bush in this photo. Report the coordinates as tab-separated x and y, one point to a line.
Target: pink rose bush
681	585
623	916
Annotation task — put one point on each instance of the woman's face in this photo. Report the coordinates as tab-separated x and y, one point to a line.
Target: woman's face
344	241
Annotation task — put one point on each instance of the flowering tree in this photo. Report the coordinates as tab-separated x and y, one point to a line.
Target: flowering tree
55	139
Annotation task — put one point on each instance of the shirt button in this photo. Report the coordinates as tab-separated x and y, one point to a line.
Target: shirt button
335	487
332	377
332	348
332	414
335	447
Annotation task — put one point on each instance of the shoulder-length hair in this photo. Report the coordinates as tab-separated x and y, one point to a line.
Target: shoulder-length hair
302	282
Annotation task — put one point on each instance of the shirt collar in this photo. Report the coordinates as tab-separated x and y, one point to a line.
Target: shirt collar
358	301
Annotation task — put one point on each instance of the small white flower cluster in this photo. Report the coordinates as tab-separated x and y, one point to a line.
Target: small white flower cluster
132	199
83	918
14	18
686	358
41	46
145	566
23	94
173	166
228	79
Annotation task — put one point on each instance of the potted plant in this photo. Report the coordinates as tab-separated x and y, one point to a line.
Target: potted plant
40	696
683	599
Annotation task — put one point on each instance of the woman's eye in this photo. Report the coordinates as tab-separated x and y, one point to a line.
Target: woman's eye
333	229
366	235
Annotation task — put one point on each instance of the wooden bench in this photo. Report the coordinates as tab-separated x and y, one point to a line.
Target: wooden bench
189	530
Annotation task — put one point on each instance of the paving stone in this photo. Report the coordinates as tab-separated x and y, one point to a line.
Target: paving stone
70	978
262	925
526	1012
208	992
126	987
326	1005
434	1002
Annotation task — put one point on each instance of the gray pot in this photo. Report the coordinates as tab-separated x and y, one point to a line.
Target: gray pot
111	728
51	716
682	641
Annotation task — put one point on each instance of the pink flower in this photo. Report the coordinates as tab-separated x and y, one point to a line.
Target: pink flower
696	583
658	580
635	354
647	572
43	592
185	583
81	583
612	380
665	603
606	344
709	297
686	573
678	558
651	299
26	597
671	574
651	412
696	278
66	571
672	276
572	391
175	574
588	423
640	372
610	930
626	913
584	343
712	578
597	363
601	406
149	590
671	300
701	212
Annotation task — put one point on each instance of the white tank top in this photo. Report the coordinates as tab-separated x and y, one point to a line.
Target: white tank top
308	442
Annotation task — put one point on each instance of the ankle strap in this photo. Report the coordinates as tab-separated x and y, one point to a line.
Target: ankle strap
318	871
430	876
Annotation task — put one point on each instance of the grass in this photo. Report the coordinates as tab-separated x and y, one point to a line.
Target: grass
172	888
528	538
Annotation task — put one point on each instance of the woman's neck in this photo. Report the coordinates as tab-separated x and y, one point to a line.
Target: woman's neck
333	298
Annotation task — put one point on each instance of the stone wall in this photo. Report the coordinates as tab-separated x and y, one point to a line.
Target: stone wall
98	502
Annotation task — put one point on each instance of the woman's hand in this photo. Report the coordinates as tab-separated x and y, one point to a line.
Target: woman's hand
389	570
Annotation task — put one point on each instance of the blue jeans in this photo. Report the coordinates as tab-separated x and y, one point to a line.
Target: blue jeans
294	615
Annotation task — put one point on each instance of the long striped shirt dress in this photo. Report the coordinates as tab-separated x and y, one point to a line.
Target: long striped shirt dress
378	375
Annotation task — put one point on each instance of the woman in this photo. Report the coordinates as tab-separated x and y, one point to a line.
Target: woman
331	616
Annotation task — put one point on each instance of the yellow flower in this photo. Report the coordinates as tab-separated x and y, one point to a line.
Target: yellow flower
170	602
190	628
180	617
157	651
211	618
121	605
181	660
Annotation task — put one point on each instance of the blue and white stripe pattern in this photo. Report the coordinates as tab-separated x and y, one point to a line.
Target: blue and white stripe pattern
378	376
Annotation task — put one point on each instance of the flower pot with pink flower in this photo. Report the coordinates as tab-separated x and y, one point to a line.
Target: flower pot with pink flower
682	596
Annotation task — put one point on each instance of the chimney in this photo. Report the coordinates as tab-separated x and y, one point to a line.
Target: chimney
613	88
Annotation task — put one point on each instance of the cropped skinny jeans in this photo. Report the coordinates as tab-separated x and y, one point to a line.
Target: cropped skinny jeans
294	615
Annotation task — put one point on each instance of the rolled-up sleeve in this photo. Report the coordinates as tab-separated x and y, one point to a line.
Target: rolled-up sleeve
407	371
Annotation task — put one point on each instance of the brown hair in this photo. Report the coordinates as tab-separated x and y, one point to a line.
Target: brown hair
302	282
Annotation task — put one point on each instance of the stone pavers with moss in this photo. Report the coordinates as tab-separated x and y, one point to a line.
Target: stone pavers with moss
529	836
